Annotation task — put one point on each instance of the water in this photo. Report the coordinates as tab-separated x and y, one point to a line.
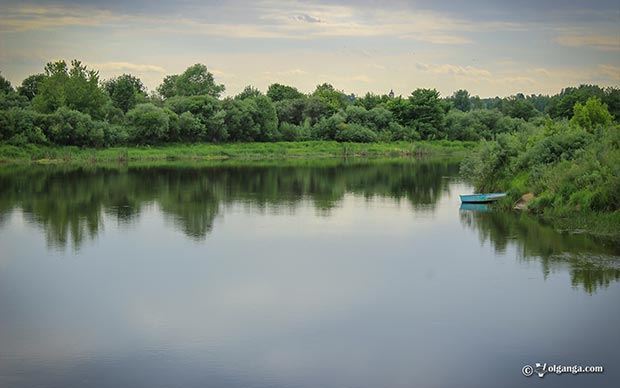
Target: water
296	274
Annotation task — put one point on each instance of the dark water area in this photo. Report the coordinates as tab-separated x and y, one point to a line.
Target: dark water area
291	274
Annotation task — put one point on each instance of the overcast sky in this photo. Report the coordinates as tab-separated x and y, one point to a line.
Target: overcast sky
488	47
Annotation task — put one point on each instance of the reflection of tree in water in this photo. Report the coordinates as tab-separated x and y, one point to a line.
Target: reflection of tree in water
592	262
70	203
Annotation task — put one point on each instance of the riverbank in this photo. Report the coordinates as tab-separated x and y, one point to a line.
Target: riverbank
242	151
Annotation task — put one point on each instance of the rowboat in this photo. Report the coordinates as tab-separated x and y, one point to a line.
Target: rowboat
475	207
481	198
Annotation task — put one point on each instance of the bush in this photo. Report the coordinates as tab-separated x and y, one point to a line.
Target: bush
399	132
148	124
292	132
355	133
70	127
20	126
191	127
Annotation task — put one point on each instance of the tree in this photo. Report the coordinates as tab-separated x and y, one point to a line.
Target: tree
196	80
562	104
21	126
461	100
30	86
149	124
591	115
355	133
278	92
612	100
315	109
248	91
168	87
125	91
370	100
518	107
205	108
71	127
334	99
291	111
425	112
5	85
250	119
76	88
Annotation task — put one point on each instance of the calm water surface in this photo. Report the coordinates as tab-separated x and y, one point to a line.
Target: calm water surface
324	274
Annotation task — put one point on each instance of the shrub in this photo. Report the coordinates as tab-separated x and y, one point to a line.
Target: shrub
20	126
149	124
355	133
70	127
191	127
292	132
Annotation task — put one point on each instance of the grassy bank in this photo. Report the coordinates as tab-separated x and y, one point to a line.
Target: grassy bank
242	151
571	170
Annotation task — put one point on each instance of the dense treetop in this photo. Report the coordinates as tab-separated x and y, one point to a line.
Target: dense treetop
69	104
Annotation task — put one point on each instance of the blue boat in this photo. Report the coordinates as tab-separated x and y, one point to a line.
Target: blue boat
482	198
475	207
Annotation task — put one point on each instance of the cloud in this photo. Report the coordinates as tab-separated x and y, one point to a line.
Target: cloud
304	17
126	66
28	17
610	71
462	71
599	42
439	39
264	19
287	72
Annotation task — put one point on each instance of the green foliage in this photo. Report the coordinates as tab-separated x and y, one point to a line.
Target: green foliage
250	119
332	98
187	108
30	86
248	92
423	111
71	127
148	124
562	105
21	126
461	100
355	133
125	91
292	132
168	87
481	124
5	85
191	128
518	107
205	108
568	167
278	92
591	115
370	100
291	110
196	80
76	88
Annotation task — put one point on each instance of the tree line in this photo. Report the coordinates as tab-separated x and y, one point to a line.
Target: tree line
68	104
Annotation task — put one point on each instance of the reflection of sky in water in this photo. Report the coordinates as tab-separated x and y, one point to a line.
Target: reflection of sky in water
372	293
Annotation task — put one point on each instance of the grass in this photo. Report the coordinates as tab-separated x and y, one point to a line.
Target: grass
243	151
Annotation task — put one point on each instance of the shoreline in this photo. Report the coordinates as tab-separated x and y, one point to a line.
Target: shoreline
241	151
604	225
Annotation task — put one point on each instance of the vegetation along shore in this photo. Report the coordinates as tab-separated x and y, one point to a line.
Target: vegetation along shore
561	150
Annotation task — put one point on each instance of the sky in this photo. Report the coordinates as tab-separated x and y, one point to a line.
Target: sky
491	48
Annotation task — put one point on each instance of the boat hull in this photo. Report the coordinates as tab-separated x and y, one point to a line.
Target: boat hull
482	198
